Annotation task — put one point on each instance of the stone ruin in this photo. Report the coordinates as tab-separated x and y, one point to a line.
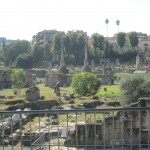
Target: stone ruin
5	79
32	94
30	80
63	79
125	128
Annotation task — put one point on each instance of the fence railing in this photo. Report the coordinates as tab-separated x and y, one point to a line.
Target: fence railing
110	128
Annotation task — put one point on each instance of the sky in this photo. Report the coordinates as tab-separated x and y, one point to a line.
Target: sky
21	19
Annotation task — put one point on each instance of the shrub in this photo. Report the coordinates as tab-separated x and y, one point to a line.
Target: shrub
85	84
133	88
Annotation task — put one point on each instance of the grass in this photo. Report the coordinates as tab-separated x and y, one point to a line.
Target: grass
48	93
122	74
112	91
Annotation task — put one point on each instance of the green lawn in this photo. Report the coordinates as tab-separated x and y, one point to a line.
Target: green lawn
112	91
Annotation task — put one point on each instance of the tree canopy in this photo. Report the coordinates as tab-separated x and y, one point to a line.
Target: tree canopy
133	88
85	84
13	50
121	39
24	61
98	42
37	54
133	39
18	78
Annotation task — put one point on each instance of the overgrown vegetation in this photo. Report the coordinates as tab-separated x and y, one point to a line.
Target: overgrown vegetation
133	88
18	80
85	84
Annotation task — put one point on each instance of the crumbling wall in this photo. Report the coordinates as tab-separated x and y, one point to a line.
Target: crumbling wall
124	128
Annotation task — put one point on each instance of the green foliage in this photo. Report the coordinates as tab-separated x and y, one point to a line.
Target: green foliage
85	84
18	78
67	43
64	70
127	56
24	61
121	39
70	60
75	47
133	88
133	39
13	50
98	42
47	56
37	54
56	49
112	91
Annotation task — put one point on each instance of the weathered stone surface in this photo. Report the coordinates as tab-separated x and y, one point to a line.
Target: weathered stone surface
122	129
32	94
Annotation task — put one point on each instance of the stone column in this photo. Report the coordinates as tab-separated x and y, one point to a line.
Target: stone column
50	79
62	61
86	63
137	62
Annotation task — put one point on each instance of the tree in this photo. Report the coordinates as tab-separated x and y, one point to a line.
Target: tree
118	22
106	49
127	56
67	43
98	42
18	79
133	88
74	47
56	50
37	54
13	50
24	61
47	56
85	84
133	39
69	56
107	21
80	47
121	39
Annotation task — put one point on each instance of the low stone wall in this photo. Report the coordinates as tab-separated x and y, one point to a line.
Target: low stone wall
45	104
35	105
122	129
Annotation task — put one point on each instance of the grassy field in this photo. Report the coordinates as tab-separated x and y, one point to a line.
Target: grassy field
48	93
112	91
